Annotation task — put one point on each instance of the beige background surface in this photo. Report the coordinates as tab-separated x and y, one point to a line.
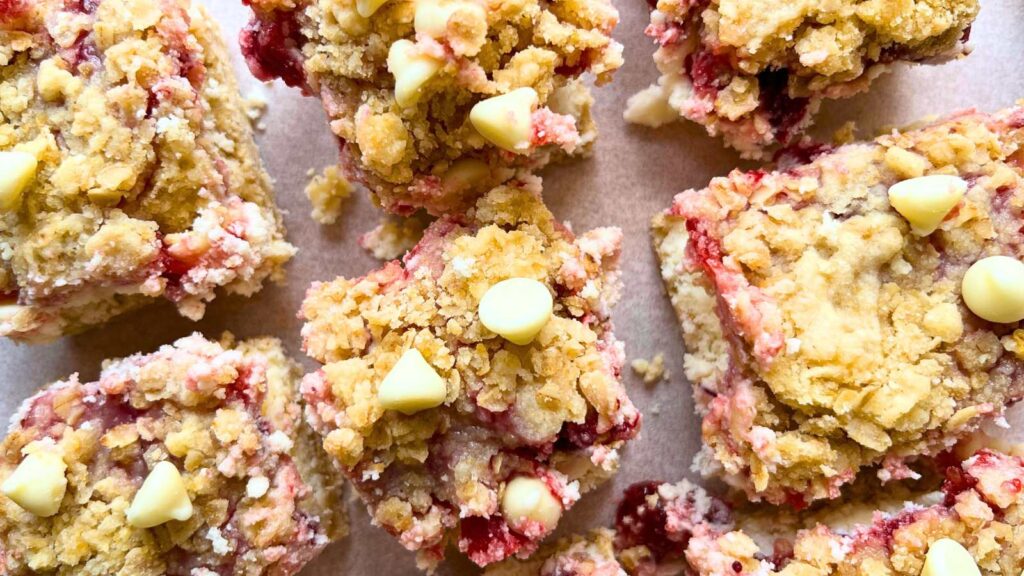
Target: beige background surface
633	174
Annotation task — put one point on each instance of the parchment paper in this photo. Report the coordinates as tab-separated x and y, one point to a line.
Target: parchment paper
633	174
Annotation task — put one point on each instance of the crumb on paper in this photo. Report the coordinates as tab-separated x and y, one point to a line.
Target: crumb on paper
394	236
326	192
846	133
652	370
255	108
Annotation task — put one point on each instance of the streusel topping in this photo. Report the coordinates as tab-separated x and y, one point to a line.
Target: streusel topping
226	415
757	71
422	150
147	180
552	409
851	344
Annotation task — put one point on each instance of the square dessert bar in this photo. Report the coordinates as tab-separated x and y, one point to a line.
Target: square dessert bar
128	170
755	72
472	391
968	523
434	101
192	460
857	307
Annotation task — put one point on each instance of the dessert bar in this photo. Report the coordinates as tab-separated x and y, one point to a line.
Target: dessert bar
970	526
436	101
128	170
852	308
471	392
756	72
192	460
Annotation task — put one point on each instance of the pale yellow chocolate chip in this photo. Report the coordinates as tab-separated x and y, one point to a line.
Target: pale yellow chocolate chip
505	120
411	70
17	170
530	500
412	385
925	201
38	483
993	288
432	16
366	8
161	498
948	558
516	309
465	174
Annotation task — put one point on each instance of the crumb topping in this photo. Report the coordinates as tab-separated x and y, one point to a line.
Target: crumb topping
209	408
326	191
553	409
977	508
473	49
146	172
756	72
848	341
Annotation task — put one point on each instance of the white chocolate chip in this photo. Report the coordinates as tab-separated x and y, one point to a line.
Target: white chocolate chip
412	385
530	500
257	486
17	170
38	483
993	288
926	200
411	70
516	309
366	8
161	498
505	120
432	16
465	174
948	557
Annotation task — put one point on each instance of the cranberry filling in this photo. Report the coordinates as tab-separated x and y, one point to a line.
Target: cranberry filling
273	49
486	540
709	73
81	6
585	434
785	113
639	523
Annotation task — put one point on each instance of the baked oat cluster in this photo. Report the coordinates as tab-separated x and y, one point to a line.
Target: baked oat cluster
858	307
192	460
471	392
127	166
437	101
755	72
972	525
592	554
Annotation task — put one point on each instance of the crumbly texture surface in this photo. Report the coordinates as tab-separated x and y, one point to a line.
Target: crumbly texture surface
590	555
326	192
394	236
554	409
652	370
755	72
404	154
822	335
227	416
676	529
148	182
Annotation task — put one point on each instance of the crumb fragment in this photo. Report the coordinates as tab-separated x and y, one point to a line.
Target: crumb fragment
255	108
652	370
326	192
394	236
